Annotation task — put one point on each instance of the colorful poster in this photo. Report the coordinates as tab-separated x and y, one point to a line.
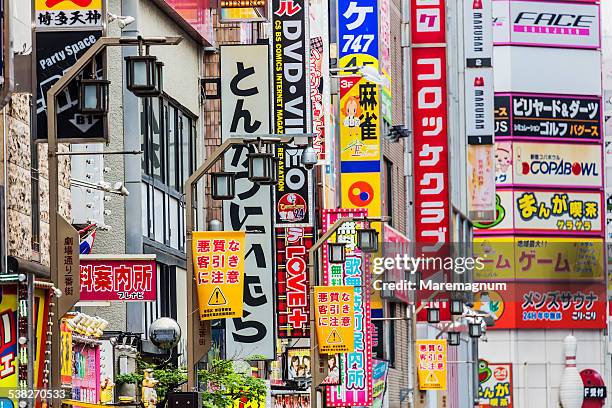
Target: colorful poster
430	124
319	76
65	14
557	165
8	338
356	374
539	258
548	211
292	285
545	305
293	192
431	364
66	353
218	259
379	381
544	24
495	384
118	278
291	401
335	317
503	163
245	109
481	182
298	364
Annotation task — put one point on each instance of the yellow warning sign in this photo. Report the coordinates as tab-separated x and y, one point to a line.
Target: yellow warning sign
335	318
217	298
218	266
431	364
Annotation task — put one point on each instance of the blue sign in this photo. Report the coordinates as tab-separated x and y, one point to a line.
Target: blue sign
358	27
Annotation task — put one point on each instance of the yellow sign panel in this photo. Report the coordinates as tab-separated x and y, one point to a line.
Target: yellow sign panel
431	364
335	314
539	258
67	4
362	190
218	264
66	353
8	340
68	14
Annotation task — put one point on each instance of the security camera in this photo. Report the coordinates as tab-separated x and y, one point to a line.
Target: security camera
309	157
122	21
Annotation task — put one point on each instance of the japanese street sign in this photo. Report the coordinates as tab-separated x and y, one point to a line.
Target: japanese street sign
479	110
63	14
245	109
356	373
358	33
495	389
218	259
56	52
290	66
430	21
118	278
431	364
292	285
552	117
335	317
293	192
478	33
67	249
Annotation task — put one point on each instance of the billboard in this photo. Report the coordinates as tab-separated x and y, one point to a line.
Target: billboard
551	117
546	24
245	109
430	19
539	258
292	284
430	124
478	33
357	33
294	204
545	306
319	74
335	318
356	374
431	364
479	107
557	165
481	182
118	278
62	14
495	384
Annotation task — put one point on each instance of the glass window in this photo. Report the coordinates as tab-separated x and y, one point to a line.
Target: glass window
145	209
173	218
156	153
158	215
186	137
171	135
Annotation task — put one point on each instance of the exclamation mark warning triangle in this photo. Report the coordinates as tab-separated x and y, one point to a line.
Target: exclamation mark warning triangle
217	298
431	378
334	337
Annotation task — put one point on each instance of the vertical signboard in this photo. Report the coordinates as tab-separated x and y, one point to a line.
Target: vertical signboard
385	60
478	33
319	75
293	192
69	270
481	182
356	373
292	285
334	318
218	259
495	389
431	364
245	109
479	107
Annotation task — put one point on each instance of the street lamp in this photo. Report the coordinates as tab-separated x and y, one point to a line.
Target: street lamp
475	329
367	240
261	167
158	80
456	307
223	185
454	338
93	96
336	252
433	315
141	72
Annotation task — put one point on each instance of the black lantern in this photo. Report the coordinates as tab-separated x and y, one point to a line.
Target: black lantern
158	79
433	315
475	330
142	74
454	338
261	167
367	239
336	252
93	96
456	307
223	185
273	175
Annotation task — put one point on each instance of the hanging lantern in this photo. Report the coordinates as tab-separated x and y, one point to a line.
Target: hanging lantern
433	315
456	307
454	338
260	167
223	185
367	240
93	96
141	74
158	80
336	252
475	330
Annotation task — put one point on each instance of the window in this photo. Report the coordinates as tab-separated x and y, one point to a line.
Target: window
168	141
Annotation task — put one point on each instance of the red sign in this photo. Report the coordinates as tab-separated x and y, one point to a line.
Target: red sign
546	306
430	125
428	21
292	286
118	278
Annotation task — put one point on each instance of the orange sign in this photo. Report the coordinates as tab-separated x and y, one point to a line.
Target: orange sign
431	360
335	316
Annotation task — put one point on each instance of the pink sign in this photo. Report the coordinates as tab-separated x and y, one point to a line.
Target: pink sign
115	279
196	13
356	375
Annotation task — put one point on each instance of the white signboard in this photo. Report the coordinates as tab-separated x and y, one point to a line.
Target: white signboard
547	24
557	164
478	33
479	109
245	109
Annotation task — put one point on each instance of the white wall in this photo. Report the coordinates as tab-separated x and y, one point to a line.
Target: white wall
538	360
547	70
